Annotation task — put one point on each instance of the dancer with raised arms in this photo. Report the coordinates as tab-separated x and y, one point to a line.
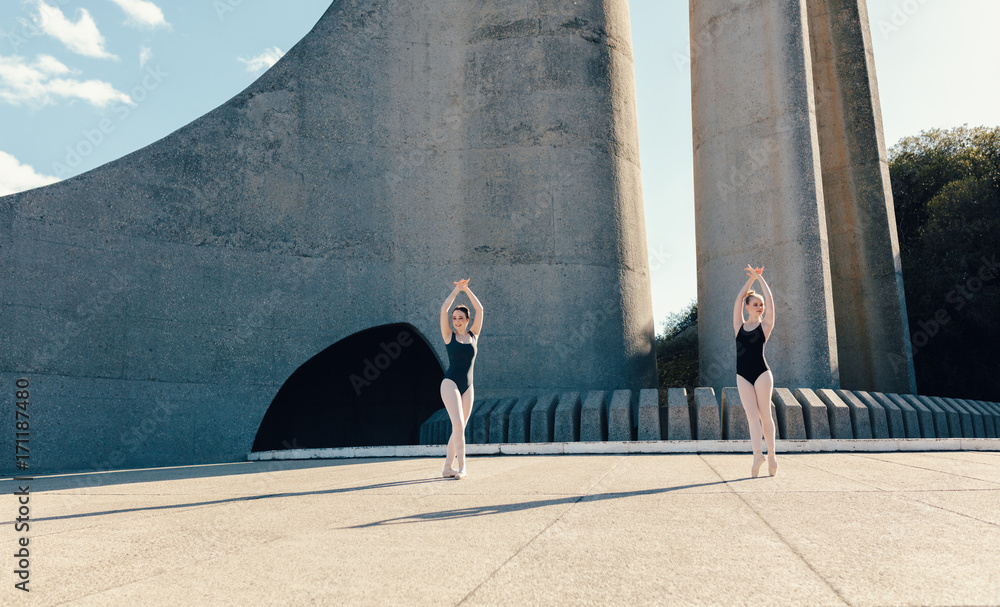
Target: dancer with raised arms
753	377
462	342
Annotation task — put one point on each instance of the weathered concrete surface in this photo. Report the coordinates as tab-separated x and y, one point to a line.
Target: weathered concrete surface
556	530
939	415
814	413
398	146
594	417
437	429
734	418
519	429
543	418
925	421
567	418
863	422
621	423
873	338
477	429
907	414
978	426
893	415
500	420
839	413
679	415
992	410
707	419
988	421
964	418
758	187
648	422
788	411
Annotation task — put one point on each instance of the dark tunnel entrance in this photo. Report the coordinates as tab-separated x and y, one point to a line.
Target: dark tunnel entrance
375	387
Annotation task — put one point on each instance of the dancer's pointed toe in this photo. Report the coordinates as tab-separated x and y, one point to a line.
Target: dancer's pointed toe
448	472
755	469
460	474
772	467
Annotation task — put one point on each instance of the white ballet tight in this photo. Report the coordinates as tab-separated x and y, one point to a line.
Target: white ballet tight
459	408
756	399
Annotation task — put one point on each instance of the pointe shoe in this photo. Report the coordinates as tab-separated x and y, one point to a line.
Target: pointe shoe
772	467
460	474
755	469
448	472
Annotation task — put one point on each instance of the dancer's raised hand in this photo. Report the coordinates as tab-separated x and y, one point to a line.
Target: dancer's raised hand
462	284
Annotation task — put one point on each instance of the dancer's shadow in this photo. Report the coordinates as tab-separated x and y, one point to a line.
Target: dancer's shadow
247	498
457	513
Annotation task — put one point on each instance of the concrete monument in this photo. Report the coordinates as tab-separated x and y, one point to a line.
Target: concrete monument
157	304
791	173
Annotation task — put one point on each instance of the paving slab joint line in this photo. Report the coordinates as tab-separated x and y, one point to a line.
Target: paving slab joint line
836	591
625	447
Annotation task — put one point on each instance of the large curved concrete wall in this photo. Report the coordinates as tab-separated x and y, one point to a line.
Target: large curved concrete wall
157	303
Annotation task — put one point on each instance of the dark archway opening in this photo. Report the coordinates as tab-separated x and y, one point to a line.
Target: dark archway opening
375	387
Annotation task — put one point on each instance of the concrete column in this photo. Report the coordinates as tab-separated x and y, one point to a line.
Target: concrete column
758	187
873	340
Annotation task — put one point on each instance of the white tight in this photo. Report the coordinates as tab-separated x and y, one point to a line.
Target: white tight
756	399
459	408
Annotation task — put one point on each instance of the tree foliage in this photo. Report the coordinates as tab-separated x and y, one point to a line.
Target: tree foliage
946	188
677	350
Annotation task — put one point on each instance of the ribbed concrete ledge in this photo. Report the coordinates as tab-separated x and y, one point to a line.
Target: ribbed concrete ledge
678	446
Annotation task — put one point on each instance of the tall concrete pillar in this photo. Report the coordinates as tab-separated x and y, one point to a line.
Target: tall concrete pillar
791	173
758	187
873	341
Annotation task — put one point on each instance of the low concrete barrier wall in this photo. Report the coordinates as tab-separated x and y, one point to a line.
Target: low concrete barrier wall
648	415
679	415
650	421
594	417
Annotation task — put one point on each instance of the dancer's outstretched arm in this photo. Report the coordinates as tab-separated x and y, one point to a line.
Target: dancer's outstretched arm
445	309
738	306
477	322
768	321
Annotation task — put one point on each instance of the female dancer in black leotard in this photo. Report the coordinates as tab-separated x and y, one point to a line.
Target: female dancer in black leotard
753	377
456	387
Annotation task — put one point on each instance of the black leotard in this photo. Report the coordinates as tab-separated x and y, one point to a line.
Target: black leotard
750	361
460	360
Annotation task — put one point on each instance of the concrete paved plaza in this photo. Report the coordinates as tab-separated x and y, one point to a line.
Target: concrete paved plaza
829	529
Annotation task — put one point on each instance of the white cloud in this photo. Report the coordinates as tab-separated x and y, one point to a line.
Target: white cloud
16	177
81	37
39	84
142	13
264	60
145	54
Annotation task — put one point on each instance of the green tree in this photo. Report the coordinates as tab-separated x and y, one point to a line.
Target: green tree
946	188
677	350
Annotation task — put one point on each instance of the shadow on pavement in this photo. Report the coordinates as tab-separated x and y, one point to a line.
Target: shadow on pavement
505	508
247	498
105	478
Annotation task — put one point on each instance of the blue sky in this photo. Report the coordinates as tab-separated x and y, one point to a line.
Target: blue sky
83	82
